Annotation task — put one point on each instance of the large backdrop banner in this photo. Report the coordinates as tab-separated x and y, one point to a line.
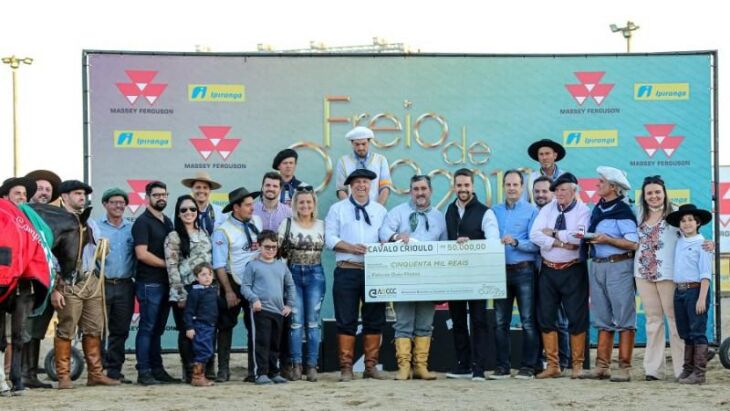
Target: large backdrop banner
166	116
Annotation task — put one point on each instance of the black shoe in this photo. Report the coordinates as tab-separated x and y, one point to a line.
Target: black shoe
461	374
223	376
651	378
34	382
118	376
162	376
500	374
146	378
525	374
250	378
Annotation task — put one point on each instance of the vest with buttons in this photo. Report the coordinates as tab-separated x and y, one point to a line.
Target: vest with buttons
470	225
239	250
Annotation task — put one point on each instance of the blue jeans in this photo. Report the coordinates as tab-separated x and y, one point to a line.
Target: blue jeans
692	328
310	283
520	286
203	342
154	309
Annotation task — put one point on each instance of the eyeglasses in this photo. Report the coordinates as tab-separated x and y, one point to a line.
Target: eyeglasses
270	247
117	203
159	195
657	179
305	189
184	210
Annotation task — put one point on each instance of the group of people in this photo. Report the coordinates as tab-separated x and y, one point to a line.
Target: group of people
261	255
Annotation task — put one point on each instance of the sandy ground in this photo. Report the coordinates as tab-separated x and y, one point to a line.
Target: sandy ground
556	394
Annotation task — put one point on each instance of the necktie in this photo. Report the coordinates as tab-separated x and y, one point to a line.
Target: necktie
359	208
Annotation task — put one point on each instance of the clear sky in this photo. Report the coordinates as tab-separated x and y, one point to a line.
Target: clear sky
55	33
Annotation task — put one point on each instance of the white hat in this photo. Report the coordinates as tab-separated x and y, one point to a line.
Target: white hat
614	175
359	133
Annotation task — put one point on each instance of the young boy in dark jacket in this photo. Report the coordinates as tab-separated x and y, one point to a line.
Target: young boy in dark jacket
201	315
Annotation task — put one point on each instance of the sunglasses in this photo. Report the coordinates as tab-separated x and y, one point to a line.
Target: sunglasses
270	247
657	179
305	189
184	210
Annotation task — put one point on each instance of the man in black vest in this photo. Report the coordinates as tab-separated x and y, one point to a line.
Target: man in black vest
467	218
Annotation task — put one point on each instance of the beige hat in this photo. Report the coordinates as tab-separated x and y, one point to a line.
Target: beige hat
201	176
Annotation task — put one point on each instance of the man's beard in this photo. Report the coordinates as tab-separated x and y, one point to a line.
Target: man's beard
159	205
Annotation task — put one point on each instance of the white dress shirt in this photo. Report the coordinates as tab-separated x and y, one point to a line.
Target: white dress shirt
342	224
580	215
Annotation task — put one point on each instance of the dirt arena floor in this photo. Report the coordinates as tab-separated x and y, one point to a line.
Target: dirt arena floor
443	394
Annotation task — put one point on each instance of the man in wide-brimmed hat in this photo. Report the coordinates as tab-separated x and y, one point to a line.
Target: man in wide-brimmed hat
286	163
351	223
362	158
613	239
18	190
73	195
210	215
547	153
234	245
48	184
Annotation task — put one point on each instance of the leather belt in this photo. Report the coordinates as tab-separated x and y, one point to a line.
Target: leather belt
559	266
117	280
520	265
351	265
687	286
613	258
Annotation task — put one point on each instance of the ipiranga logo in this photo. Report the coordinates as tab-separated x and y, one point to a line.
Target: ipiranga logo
661	91
142	139
221	93
590	138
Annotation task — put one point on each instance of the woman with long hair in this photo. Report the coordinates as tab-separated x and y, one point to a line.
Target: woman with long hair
303	239
185	247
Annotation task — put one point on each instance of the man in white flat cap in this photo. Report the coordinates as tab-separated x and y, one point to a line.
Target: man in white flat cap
613	238
362	158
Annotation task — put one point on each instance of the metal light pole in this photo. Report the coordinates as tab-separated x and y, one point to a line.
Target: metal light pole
626	31
14	63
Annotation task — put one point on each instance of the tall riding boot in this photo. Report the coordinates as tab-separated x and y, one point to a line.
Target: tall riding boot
32	350
62	350
403	357
550	344
700	366
577	352
346	345
688	367
210	368
371	346
185	348
421	349
603	356
92	351
625	352
224	354
198	376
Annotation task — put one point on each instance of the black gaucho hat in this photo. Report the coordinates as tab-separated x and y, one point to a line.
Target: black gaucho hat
360	173
49	176
675	217
283	155
564	178
545	142
235	197
73	185
29	184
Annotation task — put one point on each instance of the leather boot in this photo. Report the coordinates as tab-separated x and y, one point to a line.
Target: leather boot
602	370
92	351
198	379
224	355
346	345
312	373
210	369
688	367
371	346
185	348
625	352
577	352
33	381
296	372
421	349
62	350
700	366
403	357
550	344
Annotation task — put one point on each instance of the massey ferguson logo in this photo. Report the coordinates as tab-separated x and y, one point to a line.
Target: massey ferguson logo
141	85
137	197
724	200
215	140
588	190
590	86
659	139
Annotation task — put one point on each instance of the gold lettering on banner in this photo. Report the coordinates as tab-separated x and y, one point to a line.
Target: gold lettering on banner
450	177
487	185
476	149
325	156
372	125
328	119
396	164
442	123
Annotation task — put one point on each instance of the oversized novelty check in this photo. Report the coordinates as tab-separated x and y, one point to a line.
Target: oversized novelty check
435	271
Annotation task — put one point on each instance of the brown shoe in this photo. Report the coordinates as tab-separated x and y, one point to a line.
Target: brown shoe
403	357
421	348
550	343
346	345
687	367
625	352
62	350
577	352
700	366
371	346
92	351
602	370
199	379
